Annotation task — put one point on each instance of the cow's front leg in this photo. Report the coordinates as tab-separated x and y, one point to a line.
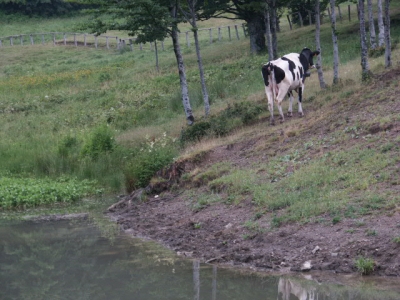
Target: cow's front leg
282	117
271	110
290	111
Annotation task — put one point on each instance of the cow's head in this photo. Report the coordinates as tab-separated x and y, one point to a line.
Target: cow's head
306	58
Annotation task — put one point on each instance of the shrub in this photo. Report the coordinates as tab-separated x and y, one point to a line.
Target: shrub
153	156
100	141
364	265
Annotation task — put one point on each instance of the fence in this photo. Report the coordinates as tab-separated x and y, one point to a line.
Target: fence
350	13
229	32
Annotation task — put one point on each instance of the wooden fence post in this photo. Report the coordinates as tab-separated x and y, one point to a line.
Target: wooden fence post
340	13
187	39
219	34
237	32
141	46
107	43
290	23
210	30
75	42
358	12
1	44
31	37
131	44
11	41
21	39
95	41
84	39
348	8
65	39
54	39
229	33
244	30
300	18
151	46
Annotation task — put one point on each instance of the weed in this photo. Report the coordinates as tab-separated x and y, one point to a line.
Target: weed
371	232
336	220
365	266
100	141
396	239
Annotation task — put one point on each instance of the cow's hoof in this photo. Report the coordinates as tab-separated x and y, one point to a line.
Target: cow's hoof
272	122
301	115
290	114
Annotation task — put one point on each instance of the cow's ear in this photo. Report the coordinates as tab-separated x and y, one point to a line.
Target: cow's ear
315	53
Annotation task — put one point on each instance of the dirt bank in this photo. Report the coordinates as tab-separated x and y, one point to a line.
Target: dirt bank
239	234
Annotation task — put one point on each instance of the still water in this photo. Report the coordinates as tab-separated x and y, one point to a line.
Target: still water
77	260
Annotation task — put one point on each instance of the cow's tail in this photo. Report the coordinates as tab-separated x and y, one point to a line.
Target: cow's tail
274	85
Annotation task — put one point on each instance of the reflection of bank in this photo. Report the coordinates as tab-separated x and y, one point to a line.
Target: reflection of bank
196	281
288	287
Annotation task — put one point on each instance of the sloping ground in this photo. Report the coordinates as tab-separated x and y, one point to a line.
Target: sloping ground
205	214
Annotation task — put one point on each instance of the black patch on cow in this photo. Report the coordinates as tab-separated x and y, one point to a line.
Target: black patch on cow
265	73
298	75
304	62
301	72
279	74
292	66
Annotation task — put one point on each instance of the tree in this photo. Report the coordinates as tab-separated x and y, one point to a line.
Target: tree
322	83
381	36
363	39
388	46
148	20
191	17
335	44
268	33
371	27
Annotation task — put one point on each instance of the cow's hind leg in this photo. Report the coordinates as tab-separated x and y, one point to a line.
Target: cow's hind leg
300	92
290	111
279	99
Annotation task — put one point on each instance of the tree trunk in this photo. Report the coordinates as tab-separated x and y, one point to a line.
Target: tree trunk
182	77
372	34
274	29
363	38
256	32
381	36
322	83
193	22
388	46
335	44
268	34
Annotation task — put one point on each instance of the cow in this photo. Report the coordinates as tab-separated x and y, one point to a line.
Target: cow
285	75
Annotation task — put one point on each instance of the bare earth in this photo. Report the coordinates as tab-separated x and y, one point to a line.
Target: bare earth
216	233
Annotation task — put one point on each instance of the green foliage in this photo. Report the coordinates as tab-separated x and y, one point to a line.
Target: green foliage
100	141
154	155
365	266
29	192
239	114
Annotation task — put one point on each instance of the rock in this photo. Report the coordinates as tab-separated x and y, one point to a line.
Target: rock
306	266
317	248
228	226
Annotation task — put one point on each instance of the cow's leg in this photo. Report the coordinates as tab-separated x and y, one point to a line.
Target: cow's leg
301	114
279	99
290	111
270	99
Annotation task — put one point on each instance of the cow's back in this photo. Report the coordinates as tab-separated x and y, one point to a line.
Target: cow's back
293	69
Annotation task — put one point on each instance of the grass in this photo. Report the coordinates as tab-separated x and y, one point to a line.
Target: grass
54	101
365	266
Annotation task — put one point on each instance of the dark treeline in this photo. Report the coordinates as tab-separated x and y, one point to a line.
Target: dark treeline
44	8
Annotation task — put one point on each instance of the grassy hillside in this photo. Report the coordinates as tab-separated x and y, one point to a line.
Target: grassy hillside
109	117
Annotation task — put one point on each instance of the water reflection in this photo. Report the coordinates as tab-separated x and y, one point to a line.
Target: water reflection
72	260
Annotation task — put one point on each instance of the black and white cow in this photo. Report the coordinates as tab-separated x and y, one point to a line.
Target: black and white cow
285	75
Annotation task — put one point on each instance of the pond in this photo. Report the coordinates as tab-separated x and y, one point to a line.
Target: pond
75	259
